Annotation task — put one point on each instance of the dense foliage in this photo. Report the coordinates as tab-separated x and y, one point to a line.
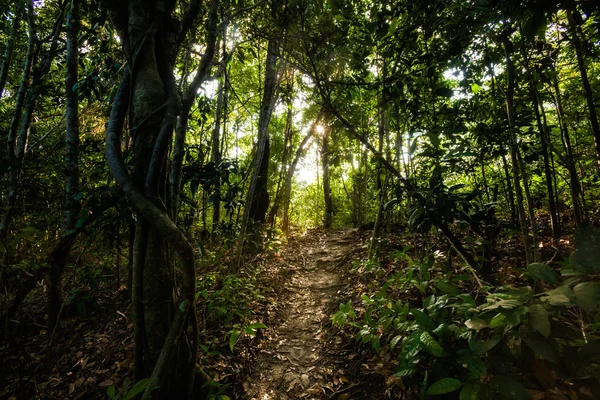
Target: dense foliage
154	148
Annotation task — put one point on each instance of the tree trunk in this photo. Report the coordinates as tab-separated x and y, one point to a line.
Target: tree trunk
10	46
215	156
514	151
11	142
574	17
257	197
287	192
328	218
287	147
545	144
164	346
574	183
72	205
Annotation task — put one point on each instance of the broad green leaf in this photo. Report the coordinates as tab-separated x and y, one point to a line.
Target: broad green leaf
405	372
559	300
542	272
476	323
470	392
444	385
509	388
423	320
505	304
542	347
257	325
538	319
476	367
395	341
376	343
110	392
446	288
498	320
480	347
138	388
587	295
235	335
431	345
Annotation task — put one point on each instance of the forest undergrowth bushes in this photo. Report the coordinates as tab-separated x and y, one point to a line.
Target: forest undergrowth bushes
535	336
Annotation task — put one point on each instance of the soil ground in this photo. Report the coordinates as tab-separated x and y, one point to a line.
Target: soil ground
302	357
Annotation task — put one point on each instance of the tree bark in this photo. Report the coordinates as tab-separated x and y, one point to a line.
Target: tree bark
573	16
11	141
544	138
10	46
287	144
514	150
257	197
72	204
216	155
328	218
148	87
574	183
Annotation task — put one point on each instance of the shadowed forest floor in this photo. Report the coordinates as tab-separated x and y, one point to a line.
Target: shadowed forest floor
301	359
300	355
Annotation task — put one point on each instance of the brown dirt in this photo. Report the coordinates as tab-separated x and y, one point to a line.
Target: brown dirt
302	358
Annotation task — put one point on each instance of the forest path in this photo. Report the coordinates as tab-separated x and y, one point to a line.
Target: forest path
301	359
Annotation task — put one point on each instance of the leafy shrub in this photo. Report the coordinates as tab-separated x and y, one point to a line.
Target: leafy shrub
485	345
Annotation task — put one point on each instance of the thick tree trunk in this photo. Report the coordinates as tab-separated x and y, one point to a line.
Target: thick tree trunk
72	205
10	46
148	87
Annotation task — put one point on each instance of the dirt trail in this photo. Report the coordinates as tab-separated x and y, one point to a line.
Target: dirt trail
300	360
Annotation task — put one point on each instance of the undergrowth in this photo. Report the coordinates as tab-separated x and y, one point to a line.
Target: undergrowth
450	339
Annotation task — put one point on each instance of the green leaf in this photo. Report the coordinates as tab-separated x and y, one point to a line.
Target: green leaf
541	346
480	347
470	392
444	385
446	288
559	300
257	325
395	341
235	335
538	319
476	323
431	345
110	392
509	388
586	257
476	367
423	320
498	320
587	296
542	272
138	388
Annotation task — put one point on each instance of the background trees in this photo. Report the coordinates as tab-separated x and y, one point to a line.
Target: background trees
226	122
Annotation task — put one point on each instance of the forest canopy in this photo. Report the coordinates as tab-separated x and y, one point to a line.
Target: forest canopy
158	155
